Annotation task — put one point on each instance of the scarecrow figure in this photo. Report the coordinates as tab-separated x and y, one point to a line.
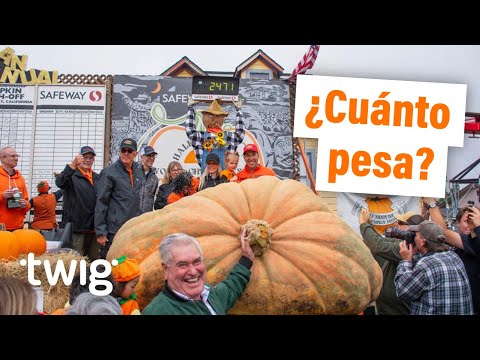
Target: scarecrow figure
214	139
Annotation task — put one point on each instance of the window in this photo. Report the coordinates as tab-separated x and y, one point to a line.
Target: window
259	74
312	162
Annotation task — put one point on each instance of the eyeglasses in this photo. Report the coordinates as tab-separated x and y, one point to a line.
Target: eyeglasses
126	150
13	156
176	170
89	158
151	156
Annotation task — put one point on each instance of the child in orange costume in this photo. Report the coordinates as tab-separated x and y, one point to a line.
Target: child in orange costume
127	275
231	163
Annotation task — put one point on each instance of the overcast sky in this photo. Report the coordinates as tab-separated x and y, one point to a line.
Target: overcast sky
437	63
433	63
149	59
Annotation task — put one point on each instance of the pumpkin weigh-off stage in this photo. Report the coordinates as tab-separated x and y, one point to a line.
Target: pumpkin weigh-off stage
309	261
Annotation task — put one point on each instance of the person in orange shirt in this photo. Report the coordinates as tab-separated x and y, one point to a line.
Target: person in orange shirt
252	168
184	184
231	163
44	205
127	275
14	195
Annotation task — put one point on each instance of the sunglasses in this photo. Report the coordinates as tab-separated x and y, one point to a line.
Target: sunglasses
127	150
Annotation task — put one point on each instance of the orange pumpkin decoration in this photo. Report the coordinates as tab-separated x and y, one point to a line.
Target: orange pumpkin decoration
308	260
380	205
31	241
9	246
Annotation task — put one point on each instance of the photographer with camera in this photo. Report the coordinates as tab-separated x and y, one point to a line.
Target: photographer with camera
435	282
466	242
14	195
387	253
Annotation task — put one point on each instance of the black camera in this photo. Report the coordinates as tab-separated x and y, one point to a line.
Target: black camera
395	232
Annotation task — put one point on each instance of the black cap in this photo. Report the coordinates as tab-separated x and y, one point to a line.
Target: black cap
148	150
86	150
212	157
129	143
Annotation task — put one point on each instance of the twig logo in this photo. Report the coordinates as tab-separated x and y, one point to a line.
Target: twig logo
96	277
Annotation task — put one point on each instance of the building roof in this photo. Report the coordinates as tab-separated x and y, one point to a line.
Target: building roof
259	54
184	62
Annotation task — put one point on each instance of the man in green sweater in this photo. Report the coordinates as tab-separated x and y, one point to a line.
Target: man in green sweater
386	250
186	291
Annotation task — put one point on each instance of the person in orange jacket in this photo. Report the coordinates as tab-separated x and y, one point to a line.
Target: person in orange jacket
127	275
14	195
252	168
184	184
44	205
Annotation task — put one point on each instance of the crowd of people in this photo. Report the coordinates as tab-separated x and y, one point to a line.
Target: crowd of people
428	269
97	205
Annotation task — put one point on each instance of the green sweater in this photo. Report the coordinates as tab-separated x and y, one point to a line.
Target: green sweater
222	296
387	253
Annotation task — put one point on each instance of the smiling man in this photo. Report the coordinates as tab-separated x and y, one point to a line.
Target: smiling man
252	168
186	291
118	195
78	182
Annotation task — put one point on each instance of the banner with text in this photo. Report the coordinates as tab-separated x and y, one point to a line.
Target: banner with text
380	136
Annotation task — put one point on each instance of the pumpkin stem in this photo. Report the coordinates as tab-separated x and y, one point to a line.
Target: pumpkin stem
259	235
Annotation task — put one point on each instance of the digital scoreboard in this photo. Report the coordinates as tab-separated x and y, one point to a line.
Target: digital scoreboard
209	88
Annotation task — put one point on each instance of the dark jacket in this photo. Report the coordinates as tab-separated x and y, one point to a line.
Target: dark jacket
149	188
78	199
470	255
211	182
117	200
222	296
387	253
164	192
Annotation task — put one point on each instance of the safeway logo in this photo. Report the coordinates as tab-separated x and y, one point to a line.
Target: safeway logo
95	95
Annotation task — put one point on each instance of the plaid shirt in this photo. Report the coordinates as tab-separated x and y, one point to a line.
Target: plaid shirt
435	285
197	138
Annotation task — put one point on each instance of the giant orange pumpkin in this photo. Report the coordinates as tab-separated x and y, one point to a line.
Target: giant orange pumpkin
9	247
31	241
309	261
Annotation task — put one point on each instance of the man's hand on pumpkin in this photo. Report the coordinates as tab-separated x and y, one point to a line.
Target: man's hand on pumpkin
246	248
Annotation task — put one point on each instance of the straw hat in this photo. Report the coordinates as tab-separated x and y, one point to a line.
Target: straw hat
215	109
